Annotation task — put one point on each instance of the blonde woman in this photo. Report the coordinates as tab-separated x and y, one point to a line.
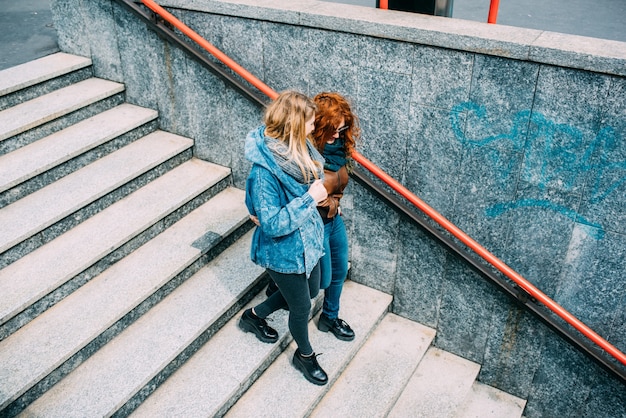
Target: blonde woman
335	136
282	192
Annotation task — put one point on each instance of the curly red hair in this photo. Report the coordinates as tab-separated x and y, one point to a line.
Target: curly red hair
331	109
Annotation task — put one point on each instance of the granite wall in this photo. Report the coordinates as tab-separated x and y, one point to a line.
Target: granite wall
515	135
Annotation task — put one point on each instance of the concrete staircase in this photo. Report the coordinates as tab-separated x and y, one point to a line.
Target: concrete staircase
124	267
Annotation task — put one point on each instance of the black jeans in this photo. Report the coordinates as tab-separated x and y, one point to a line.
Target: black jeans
296	291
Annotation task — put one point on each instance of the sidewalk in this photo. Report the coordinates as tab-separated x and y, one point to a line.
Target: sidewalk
28	33
604	19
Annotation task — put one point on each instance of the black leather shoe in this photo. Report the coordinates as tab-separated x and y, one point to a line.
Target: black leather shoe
310	368
249	322
337	326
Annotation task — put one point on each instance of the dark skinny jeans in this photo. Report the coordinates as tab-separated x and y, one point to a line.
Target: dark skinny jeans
296	292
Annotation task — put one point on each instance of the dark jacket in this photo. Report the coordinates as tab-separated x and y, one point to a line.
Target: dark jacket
335	182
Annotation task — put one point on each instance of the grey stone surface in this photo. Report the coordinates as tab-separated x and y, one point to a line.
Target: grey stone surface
537	164
60	123
438	387
580	52
72	27
40	70
465	320
147	346
541	263
485	401
606	190
102	38
561	362
48	342
44	115
419	277
58	148
54	173
364	308
567	117
214	377
47	268
388	358
513	351
140	78
433	159
28	93
582	289
43	109
373	255
62	198
384	113
500	40
441	78
221	371
338	51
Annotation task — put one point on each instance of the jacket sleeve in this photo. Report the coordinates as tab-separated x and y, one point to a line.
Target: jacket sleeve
266	199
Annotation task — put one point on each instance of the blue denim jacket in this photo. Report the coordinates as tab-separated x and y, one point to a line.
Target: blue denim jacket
290	238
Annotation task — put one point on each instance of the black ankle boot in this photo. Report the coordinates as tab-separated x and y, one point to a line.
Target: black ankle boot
337	326
249	322
310	368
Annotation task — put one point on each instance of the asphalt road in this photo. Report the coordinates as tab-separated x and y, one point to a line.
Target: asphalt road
604	19
28	32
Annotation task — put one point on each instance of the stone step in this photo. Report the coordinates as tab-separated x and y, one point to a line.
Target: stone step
49	347
282	391
34	119
48	153
151	346
374	379
219	373
39	274
488	402
34	78
438	386
29	217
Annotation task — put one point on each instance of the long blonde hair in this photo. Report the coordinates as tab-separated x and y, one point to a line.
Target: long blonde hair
285	119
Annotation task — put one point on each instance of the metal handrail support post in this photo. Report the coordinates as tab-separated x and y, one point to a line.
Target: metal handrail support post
493	11
490	258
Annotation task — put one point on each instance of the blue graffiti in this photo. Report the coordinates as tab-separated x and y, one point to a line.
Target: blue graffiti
551	154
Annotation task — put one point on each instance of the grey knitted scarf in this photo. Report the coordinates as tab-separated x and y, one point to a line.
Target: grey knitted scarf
279	151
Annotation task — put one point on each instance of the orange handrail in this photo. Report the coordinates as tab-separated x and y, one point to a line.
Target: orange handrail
383	4
211	49
493	11
440	219
489	257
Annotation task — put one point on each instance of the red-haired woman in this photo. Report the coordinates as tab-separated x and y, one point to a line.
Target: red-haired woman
335	135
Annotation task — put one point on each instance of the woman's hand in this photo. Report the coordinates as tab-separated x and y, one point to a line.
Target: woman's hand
255	220
318	191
